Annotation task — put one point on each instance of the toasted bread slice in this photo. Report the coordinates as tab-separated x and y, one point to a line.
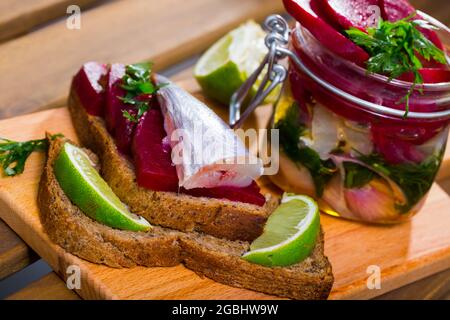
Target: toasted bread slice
217	217
215	258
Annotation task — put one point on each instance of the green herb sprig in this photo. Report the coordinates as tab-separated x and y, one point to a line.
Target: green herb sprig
139	89
415	179
357	176
14	154
394	46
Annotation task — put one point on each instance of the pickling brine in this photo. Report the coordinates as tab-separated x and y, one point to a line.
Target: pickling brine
367	164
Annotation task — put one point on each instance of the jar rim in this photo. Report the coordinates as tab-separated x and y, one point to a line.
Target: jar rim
367	105
440	86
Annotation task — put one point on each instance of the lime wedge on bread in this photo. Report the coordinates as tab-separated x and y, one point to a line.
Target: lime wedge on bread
84	186
289	235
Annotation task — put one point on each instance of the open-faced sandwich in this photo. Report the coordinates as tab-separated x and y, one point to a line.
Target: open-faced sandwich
129	199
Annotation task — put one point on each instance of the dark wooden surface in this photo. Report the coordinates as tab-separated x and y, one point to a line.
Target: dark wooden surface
436	287
19	16
49	287
15	254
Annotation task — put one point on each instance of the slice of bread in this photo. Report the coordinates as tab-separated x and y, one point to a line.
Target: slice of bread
217	217
215	258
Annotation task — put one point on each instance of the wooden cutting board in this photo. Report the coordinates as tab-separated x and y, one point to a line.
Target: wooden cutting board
404	253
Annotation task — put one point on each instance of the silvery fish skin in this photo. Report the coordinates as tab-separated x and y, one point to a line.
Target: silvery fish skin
205	151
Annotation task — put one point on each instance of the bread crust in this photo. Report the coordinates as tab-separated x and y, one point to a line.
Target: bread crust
218	217
68	227
215	258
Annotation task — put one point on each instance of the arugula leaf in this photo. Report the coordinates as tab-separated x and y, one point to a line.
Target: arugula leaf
415	179
357	176
290	132
393	47
14	154
139	89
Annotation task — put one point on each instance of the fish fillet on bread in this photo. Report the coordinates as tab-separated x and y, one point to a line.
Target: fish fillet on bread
216	258
218	217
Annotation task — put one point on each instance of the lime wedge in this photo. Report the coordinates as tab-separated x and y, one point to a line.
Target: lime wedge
289	235
225	66
86	189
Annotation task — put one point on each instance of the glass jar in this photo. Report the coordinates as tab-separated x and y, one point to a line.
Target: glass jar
346	140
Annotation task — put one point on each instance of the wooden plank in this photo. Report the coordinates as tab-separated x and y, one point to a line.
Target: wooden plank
436	287
14	253
404	253
49	287
18	17
128	31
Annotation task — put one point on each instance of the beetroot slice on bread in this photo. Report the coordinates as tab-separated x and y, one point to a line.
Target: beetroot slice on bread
124	130
121	128
327	35
155	171
154	168
87	84
250	194
143	142
113	91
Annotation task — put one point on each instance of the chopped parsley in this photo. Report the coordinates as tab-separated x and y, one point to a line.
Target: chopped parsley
393	49
139	89
415	179
14	154
357	176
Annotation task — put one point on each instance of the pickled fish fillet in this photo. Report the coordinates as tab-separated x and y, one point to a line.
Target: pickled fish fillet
205	151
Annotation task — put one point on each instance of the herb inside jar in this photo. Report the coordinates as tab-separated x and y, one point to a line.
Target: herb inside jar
414	179
291	130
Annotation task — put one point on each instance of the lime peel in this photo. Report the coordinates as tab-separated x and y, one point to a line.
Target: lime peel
84	186
295	247
228	63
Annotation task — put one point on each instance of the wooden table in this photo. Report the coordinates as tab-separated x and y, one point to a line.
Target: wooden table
167	32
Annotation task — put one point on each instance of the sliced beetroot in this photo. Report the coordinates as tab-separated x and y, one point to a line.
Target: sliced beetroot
323	32
432	36
152	157
429	75
316	6
350	13
88	87
394	10
301	95
393	149
114	105
124	130
155	171
250	194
